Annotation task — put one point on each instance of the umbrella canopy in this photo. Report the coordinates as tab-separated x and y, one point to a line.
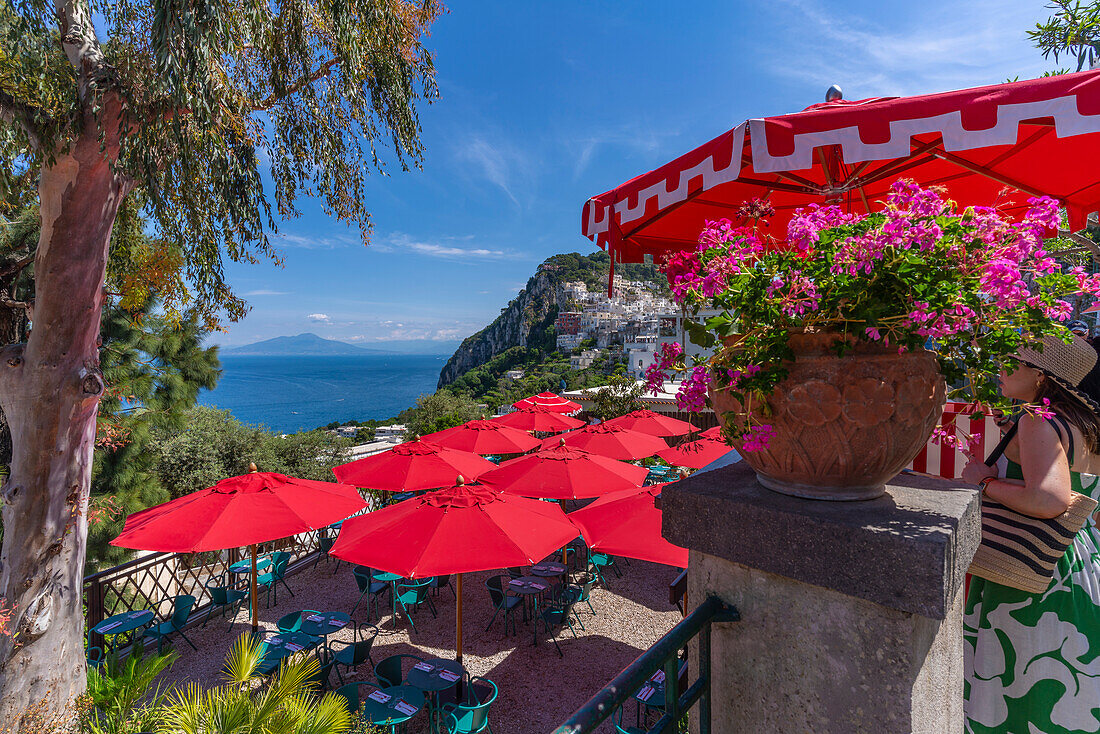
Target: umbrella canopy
1040	136
246	510
628	523
238	511
564	473
715	432
655	424
539	418
412	466
549	400
456	530
696	454
485	437
609	440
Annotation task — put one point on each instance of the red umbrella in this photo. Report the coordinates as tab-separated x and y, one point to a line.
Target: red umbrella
549	400
628	523
457	530
564	473
412	466
246	510
655	424
715	432
610	440
696	454
1040	136
484	437
539	418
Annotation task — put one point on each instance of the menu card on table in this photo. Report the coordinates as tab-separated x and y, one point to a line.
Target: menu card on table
315	618
274	640
515	582
379	696
135	614
292	647
658	677
111	626
426	667
644	694
539	567
540	587
405	708
336	622
448	676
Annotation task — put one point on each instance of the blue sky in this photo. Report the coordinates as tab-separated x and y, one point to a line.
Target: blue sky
545	104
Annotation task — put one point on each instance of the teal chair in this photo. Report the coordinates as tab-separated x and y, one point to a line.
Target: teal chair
95	657
502	602
617	720
325	543
558	614
473	716
438	582
222	598
600	563
350	696
582	592
181	611
277	575
368	587
411	595
319	681
293	622
390	672
356	652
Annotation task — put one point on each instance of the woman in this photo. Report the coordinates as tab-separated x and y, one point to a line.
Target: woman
1033	660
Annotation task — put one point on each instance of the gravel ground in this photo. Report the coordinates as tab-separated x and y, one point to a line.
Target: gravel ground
538	689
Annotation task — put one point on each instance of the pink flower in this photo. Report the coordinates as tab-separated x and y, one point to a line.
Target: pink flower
669	356
1044	411
692	396
757	438
806	224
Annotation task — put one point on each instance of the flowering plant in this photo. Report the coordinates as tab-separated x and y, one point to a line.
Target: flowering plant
970	286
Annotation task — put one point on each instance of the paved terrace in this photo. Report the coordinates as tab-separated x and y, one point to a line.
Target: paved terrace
538	689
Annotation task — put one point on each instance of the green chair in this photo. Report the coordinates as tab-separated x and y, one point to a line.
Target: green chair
95	657
617	720
356	652
582	592
223	597
411	595
320	679
350	695
293	622
363	576
325	543
600	563
270	580
502	601
471	717
390	672
438	582
558	614
181	611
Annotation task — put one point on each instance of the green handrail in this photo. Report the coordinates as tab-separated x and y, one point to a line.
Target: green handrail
663	655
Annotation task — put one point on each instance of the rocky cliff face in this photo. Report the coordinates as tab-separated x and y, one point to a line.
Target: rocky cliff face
508	330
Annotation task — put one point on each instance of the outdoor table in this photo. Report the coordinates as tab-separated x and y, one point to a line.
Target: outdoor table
391	579
532	586
380	706
433	676
126	622
245	566
283	645
548	569
322	624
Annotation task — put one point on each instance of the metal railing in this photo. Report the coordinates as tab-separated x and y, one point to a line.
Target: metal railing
664	655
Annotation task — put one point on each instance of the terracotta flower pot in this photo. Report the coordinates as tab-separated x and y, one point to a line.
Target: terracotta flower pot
843	426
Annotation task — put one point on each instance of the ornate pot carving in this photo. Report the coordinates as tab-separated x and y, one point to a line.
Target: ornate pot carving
844	425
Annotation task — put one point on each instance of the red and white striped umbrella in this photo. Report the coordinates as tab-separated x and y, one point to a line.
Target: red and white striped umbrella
614	442
1033	137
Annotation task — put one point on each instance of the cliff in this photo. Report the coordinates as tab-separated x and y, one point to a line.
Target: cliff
528	319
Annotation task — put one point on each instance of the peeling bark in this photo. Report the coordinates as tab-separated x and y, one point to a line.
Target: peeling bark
49	390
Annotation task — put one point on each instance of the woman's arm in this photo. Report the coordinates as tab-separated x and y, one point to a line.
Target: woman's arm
1045	491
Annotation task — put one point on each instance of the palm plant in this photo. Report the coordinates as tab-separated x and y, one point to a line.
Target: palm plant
121	696
285	706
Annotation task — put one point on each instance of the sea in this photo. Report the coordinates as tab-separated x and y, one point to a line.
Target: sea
290	394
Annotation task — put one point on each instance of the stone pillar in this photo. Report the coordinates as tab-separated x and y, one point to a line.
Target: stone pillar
851	612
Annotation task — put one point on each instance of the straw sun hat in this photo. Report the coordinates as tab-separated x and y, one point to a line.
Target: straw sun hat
1068	365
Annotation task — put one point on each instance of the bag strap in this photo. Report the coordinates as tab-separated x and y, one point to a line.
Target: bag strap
1000	449
1059	420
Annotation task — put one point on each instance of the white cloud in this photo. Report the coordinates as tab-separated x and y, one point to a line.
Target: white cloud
320	318
447	248
315	242
502	164
263	292
955	45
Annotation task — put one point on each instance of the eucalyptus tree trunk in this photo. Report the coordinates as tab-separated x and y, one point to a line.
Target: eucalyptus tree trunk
49	390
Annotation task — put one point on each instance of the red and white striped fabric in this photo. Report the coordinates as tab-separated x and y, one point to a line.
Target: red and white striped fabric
993	145
550	401
945	461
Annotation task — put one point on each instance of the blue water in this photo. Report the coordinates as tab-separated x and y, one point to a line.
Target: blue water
288	394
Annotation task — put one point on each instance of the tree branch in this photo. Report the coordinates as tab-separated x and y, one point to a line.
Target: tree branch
1083	241
16	266
81	47
17	112
273	99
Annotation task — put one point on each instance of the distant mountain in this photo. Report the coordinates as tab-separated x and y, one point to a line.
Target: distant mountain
303	344
313	345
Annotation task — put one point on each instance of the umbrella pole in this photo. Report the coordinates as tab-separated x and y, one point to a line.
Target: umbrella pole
459	634
564	548
252	584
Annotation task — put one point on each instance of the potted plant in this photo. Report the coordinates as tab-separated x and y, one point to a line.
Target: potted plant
832	350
